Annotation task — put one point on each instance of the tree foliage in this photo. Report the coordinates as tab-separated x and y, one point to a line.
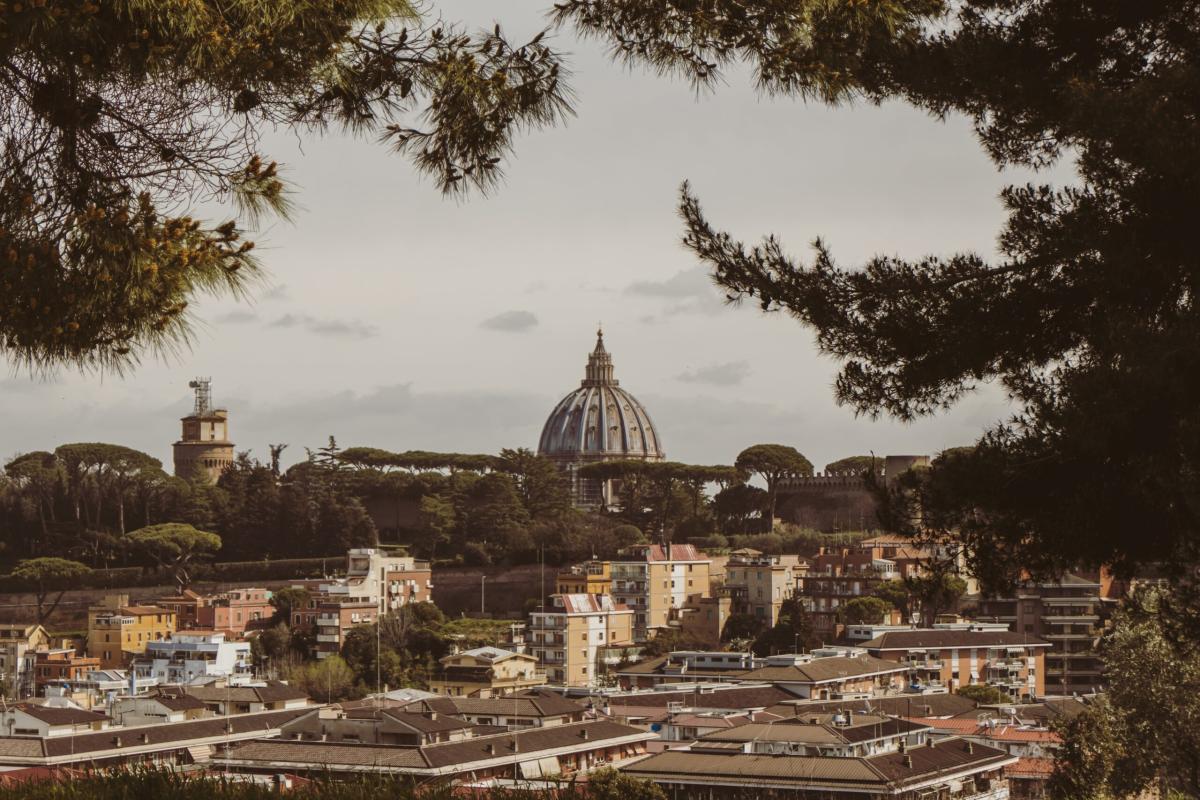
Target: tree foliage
120	116
772	463
45	576
1087	317
866	610
175	546
792	633
1141	734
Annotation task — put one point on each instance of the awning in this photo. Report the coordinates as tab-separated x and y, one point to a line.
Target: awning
541	768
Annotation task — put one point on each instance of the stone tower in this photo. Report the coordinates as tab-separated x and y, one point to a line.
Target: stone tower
203	449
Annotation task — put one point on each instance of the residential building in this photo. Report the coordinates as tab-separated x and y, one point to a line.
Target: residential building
1014	663
230	700
687	666
656	581
1069	614
387	580
366	724
838	575
60	666
186	656
117	631
28	719
830	678
758	584
842	757
531	709
703	618
16	669
578	636
336	616
164	745
486	672
158	708
236	610
590	577
558	750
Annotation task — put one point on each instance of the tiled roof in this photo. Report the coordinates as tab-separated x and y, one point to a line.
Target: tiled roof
999	733
142	738
906	640
930	759
524	704
824	732
922	705
822	670
54	715
445	757
1030	768
272	692
732	698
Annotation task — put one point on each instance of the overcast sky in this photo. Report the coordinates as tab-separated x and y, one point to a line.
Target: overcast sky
399	319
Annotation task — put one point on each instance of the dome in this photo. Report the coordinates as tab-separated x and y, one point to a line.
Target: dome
599	421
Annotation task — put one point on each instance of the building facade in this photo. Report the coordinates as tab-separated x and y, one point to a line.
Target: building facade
118	631
657	581
758	584
187	655
17	643
486	672
575	638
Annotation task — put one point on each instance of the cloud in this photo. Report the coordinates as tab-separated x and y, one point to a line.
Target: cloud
511	321
327	327
689	291
728	374
237	317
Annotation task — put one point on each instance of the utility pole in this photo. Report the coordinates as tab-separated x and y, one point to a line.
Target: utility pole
482	596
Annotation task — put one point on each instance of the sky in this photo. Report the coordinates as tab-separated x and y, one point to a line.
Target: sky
396	318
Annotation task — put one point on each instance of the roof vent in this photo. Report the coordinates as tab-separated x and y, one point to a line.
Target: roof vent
908	761
970	747
489	748
903	746
145	738
116	741
583	734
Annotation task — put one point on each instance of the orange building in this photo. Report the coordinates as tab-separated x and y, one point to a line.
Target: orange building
61	665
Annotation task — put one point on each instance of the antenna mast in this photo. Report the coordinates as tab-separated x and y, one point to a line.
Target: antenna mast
203	389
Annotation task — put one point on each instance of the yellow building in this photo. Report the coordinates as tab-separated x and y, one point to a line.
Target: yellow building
759	584
118	631
486	672
590	577
578	635
657	581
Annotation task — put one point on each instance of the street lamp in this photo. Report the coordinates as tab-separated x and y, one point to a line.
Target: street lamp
482	596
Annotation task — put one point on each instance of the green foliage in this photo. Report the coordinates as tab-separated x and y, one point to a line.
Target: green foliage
124	115
742	626
174	545
897	594
935	591
792	633
984	695
287	601
326	680
864	611
1142	734
855	465
772	463
46	575
609	784
1086	317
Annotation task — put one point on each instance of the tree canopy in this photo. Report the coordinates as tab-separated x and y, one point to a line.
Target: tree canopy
175	545
121	116
772	463
45	576
1087	317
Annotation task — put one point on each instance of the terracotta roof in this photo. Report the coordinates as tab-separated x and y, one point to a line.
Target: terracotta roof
823	732
906	640
179	702
824	670
946	755
1030	768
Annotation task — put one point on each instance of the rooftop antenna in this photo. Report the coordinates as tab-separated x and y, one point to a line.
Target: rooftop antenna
203	390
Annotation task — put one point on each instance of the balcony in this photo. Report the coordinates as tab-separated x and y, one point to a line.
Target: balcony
329	638
328	620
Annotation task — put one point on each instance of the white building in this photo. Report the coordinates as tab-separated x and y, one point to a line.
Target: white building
385	579
190	655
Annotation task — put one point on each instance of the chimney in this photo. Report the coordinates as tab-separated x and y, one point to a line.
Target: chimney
145	738
513	745
908	761
849	716
903	746
116	741
583	734
489	748
432	715
970	746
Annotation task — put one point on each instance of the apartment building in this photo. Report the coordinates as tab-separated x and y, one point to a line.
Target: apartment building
656	581
386	579
236	610
838	575
590	577
578	635
335	617
16	665
187	655
1068	613
758	584
59	666
1014	663
486	672
117	631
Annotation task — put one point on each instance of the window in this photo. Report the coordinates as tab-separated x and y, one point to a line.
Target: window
583	636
